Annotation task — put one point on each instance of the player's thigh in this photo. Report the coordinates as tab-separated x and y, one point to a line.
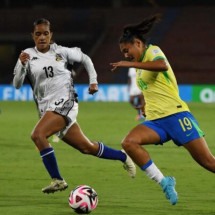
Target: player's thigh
50	123
142	135
199	150
77	139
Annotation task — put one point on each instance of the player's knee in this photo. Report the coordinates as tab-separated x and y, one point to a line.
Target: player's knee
36	136
208	162
210	165
127	144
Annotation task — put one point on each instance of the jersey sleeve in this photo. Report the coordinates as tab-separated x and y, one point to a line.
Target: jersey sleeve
76	55
20	72
155	53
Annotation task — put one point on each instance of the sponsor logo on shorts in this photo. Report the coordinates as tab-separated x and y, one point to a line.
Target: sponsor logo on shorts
189	134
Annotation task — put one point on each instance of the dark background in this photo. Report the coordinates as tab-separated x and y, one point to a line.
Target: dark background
185	34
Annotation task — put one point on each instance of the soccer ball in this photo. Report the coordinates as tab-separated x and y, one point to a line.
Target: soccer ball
83	199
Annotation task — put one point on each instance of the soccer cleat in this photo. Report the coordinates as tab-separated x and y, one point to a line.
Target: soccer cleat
55	138
56	185
129	166
168	186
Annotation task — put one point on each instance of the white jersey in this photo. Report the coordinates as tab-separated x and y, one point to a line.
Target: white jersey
51	81
133	88
48	73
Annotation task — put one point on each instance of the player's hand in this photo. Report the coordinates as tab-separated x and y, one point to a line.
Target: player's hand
24	57
120	64
93	88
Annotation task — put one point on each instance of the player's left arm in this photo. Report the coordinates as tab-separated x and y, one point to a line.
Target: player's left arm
76	55
88	64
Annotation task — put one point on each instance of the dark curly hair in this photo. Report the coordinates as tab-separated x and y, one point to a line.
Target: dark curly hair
130	32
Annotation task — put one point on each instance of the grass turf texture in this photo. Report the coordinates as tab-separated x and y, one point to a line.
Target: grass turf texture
22	174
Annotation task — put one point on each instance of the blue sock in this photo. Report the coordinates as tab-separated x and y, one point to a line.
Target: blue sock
145	166
50	162
109	153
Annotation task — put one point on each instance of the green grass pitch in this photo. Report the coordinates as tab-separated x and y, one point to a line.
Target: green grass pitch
22	174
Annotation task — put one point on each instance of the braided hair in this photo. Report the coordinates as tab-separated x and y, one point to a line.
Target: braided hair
130	32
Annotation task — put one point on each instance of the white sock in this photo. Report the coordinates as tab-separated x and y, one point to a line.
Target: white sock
154	173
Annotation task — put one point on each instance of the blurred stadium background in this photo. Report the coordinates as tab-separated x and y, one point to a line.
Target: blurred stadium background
186	35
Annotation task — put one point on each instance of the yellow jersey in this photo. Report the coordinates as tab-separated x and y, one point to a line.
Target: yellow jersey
159	88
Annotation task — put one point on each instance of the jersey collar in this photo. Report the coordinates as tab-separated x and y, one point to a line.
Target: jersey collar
143	54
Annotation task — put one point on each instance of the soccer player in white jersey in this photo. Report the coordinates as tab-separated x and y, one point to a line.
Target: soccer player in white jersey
45	66
136	98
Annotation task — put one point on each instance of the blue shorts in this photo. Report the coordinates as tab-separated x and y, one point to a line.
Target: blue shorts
180	128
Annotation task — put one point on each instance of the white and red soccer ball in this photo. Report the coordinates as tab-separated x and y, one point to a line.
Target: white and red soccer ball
83	199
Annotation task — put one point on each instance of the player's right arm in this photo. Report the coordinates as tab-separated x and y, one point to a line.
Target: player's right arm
20	70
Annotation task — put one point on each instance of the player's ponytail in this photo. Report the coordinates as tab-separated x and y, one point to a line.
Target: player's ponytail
139	30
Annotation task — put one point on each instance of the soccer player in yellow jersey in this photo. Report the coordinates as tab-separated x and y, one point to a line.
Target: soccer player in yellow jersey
167	115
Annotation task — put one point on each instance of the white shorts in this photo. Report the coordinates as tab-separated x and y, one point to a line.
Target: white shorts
63	106
72	115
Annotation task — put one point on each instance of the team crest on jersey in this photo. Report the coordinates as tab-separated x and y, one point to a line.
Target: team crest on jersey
58	57
155	51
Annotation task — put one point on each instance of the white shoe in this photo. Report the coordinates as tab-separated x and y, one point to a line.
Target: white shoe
55	138
56	185
129	166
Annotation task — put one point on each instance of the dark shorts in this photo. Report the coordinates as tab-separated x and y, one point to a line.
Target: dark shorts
180	128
